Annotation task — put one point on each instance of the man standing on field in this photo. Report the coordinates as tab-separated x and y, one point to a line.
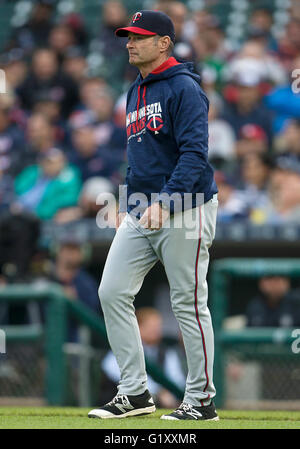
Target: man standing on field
167	154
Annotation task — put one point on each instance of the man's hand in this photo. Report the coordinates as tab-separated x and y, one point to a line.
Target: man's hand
119	219
154	217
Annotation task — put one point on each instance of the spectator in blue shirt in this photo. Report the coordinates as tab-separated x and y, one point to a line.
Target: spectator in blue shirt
284	101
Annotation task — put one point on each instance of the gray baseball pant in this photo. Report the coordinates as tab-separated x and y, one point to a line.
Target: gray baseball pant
184	253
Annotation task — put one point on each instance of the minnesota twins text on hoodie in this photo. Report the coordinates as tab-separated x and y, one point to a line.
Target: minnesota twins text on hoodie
167	136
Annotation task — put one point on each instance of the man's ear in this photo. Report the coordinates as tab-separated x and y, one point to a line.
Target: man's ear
164	43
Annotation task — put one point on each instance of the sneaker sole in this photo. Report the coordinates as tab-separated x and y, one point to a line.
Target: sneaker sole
108	415
172	418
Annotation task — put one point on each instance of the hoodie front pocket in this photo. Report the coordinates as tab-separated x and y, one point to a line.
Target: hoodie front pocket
153	184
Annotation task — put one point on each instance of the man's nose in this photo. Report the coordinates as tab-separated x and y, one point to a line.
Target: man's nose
129	44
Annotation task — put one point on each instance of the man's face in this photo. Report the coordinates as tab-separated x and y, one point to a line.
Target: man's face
151	330
41	12
274	287
254	170
52	166
261	19
44	64
84	139
39	130
177	13
142	49
248	95
101	103
68	263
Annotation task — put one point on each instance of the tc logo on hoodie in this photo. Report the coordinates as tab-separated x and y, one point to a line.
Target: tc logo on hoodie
149	116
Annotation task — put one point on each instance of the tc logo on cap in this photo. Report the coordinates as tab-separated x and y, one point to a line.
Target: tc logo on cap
137	16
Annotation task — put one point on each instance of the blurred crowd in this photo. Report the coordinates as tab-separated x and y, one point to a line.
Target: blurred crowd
62	118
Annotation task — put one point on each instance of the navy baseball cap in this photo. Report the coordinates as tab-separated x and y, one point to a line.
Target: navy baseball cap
149	23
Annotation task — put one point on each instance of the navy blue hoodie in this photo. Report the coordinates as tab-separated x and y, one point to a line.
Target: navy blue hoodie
167	136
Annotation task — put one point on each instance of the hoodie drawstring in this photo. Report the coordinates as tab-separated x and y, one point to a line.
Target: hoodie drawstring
137	108
138	105
144	98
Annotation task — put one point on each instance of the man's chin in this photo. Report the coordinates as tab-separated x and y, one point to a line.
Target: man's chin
133	61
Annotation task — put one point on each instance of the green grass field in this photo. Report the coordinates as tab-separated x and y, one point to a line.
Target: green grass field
76	418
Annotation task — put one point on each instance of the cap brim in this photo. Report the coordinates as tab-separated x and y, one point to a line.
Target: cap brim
123	32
